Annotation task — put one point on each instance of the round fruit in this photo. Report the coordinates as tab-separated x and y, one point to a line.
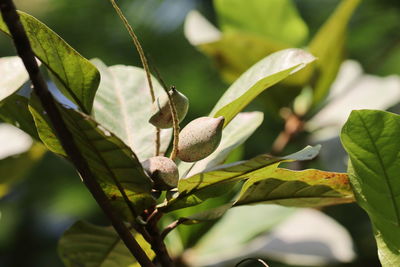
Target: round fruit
200	138
163	171
162	117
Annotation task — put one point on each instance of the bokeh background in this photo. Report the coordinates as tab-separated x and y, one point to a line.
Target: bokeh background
51	197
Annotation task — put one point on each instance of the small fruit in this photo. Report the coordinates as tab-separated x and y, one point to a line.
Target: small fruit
163	171
200	138
162	117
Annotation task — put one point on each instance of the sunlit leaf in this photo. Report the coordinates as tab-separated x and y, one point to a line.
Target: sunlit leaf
220	181
238	226
88	245
235	134
123	105
13	76
308	188
310	237
275	19
371	138
77	77
258	78
328	46
108	157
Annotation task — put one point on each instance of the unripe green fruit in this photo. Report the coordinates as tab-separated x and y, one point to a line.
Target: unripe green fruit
163	171
200	138
162	117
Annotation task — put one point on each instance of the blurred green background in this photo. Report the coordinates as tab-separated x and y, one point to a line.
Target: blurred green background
51	198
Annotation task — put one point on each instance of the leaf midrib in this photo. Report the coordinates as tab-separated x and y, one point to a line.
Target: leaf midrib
385	175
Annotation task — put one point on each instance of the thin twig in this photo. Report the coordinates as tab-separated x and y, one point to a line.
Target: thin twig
145	64
172	226
293	125
24	50
175	119
175	123
252	259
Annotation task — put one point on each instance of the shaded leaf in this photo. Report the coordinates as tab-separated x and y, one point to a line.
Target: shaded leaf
370	137
88	245
235	134
77	77
13	76
275	19
307	188
328	46
258	78
14	110
14	168
108	157
123	105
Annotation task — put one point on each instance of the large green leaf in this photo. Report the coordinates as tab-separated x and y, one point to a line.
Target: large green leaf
235	134
238	226
275	19
307	188
13	76
371	138
108	157
220	181
88	245
258	78
123	105
78	78
14	110
328	46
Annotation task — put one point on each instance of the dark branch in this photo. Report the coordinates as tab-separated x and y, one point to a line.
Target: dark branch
24	50
172	226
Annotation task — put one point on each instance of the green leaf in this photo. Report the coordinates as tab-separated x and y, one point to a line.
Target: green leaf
307	188
15	168
235	134
222	180
108	157
88	245
13	76
78	77
371	138
123	105
238	226
229	50
14	110
258	78
328	46
275	19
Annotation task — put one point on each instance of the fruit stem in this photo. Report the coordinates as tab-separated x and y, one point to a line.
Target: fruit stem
175	123
145	64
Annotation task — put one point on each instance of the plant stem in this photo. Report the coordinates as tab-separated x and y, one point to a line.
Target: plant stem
145	64
293	125
171	227
24	50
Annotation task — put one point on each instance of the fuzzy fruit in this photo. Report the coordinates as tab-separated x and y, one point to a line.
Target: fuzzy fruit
162	117
200	138
163	171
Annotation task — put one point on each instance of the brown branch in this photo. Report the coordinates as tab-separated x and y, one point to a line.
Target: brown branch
263	263
293	125
24	50
172	226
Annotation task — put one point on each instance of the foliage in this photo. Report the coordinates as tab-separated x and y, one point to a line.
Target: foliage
106	108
